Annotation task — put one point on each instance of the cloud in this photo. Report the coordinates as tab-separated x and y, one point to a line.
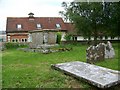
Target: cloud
21	8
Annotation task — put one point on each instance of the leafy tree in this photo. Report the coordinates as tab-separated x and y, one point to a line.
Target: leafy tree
112	18
93	19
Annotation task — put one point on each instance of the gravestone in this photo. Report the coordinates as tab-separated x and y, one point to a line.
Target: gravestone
99	52
95	53
95	75
109	51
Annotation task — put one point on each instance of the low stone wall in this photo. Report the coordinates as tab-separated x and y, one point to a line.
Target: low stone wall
45	49
90	43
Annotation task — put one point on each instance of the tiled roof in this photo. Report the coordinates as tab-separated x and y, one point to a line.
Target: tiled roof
30	23
71	28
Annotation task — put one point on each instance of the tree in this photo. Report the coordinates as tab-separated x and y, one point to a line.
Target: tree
115	19
93	19
112	18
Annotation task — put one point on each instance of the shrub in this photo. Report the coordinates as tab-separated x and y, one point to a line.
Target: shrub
68	37
59	37
14	45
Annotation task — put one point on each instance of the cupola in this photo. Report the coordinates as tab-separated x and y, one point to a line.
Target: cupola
31	16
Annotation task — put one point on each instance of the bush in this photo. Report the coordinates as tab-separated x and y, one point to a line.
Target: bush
59	37
14	45
68	37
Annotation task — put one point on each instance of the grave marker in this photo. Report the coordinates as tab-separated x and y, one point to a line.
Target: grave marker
96	75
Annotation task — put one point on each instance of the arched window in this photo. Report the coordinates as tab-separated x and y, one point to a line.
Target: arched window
13	40
16	40
22	40
25	40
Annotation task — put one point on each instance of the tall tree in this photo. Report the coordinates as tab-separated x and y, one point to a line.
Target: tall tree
115	19
93	19
112	18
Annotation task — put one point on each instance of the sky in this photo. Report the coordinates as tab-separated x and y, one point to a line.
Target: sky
21	8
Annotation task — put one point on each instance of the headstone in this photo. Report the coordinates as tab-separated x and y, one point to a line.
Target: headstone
99	52
95	75
109	51
95	53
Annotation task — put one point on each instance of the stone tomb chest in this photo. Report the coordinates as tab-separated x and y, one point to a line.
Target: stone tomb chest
95	75
40	37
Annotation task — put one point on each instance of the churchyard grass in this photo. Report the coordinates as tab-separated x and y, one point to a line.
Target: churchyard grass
33	70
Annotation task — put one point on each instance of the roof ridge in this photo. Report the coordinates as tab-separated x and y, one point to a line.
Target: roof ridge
34	17
17	17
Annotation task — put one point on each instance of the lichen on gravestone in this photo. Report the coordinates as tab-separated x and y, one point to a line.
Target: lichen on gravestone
99	52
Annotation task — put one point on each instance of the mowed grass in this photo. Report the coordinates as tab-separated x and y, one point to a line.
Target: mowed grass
33	70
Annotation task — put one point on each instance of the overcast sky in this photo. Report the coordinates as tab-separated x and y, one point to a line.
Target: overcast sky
21	8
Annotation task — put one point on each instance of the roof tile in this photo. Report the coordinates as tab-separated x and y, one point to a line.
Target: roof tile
30	23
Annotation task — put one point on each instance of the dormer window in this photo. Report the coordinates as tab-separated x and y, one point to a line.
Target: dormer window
58	26
19	26
39	26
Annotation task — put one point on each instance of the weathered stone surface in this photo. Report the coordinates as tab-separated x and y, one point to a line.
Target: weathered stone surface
2	46
96	75
45	48
41	37
109	51
45	40
37	39
95	53
99	52
52	38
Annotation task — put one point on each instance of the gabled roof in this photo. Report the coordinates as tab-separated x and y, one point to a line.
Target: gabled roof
71	28
30	23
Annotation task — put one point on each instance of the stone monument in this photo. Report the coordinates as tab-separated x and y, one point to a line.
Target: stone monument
100	52
109	51
95	53
95	75
45	46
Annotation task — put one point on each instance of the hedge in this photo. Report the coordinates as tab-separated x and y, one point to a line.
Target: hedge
14	45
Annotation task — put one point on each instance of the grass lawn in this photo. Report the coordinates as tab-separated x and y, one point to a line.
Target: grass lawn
33	70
